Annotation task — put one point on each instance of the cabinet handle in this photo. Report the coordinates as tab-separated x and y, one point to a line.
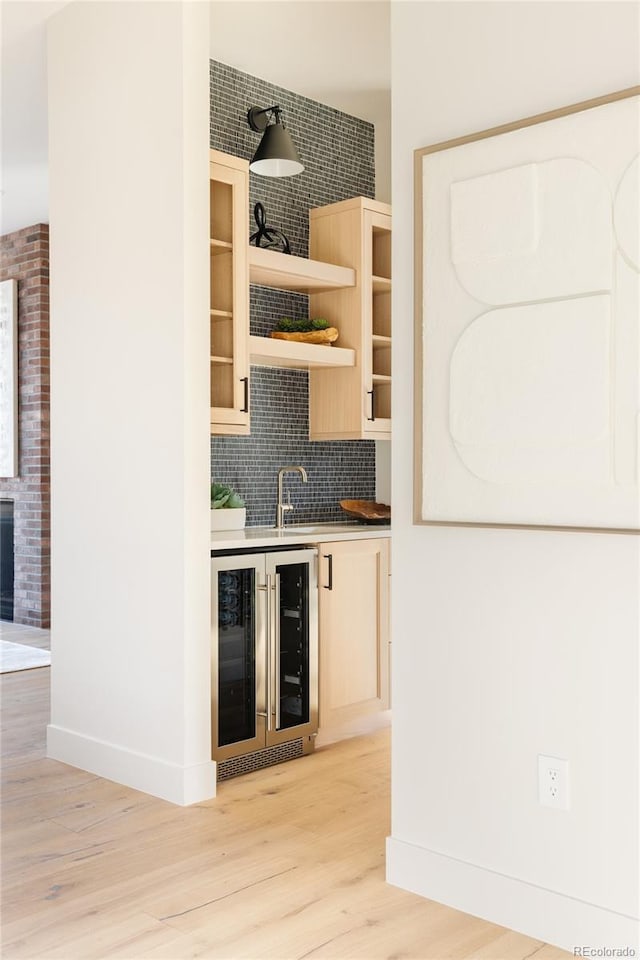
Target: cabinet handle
372	394
245	406
329	585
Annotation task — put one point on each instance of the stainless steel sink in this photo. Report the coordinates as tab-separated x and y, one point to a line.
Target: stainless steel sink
316	527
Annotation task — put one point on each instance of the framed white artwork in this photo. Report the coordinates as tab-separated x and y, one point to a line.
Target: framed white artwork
8	378
528	321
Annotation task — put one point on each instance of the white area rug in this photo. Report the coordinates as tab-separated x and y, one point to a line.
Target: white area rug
17	656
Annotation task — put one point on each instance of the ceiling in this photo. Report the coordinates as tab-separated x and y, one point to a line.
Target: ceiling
334	51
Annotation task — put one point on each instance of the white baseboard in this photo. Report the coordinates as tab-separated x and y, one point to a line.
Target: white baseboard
169	781
535	911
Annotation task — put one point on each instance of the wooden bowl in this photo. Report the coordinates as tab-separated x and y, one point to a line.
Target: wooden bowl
312	336
367	510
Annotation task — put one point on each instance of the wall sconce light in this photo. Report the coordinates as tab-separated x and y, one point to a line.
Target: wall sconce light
276	155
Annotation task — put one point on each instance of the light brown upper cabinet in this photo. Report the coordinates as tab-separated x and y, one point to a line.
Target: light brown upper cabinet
229	304
354	403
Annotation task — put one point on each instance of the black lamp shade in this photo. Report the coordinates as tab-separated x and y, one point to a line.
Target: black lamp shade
276	156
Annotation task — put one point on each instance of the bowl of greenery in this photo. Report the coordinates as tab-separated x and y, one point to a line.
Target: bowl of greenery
228	511
317	330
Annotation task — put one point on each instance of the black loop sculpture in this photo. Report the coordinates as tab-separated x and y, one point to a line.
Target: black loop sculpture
271	235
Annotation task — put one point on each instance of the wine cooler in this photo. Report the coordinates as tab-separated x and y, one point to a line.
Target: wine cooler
264	664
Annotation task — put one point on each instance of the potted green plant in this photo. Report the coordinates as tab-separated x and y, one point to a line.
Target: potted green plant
228	511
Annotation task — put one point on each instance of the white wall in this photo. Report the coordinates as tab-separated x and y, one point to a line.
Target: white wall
128	123
508	643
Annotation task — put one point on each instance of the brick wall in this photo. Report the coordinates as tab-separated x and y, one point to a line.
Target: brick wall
338	154
24	256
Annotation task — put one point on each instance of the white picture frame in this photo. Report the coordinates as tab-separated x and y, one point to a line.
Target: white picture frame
527	346
9	378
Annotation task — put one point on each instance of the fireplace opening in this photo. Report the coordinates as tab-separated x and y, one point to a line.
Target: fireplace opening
6	559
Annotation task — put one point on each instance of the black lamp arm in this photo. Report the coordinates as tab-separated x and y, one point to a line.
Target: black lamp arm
261	125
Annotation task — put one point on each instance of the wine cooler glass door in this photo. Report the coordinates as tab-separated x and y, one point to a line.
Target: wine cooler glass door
293	655
238	671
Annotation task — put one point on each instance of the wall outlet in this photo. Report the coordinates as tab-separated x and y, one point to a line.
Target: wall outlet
553	782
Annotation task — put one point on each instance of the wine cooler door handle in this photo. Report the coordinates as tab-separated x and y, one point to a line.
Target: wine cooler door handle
329	584
262	648
276	644
372	394
268	645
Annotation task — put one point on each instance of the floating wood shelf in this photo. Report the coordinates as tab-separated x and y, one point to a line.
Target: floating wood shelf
381	378
379	341
221	314
224	360
267	352
268	268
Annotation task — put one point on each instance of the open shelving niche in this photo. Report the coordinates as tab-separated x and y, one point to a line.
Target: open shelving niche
268	268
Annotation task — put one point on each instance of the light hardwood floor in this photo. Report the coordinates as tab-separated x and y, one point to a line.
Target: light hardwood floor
285	863
29	636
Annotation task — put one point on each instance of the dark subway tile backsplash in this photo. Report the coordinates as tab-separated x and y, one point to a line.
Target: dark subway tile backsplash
337	150
338	153
279	437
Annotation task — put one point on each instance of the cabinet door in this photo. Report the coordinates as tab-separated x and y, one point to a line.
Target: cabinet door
238	631
229	303
376	316
292	655
354	403
354	635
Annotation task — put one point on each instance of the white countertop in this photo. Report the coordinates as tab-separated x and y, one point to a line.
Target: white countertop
303	534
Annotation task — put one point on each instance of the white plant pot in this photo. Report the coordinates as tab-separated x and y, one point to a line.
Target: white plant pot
231	519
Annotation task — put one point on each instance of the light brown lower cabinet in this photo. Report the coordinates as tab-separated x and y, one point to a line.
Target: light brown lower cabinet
353	642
